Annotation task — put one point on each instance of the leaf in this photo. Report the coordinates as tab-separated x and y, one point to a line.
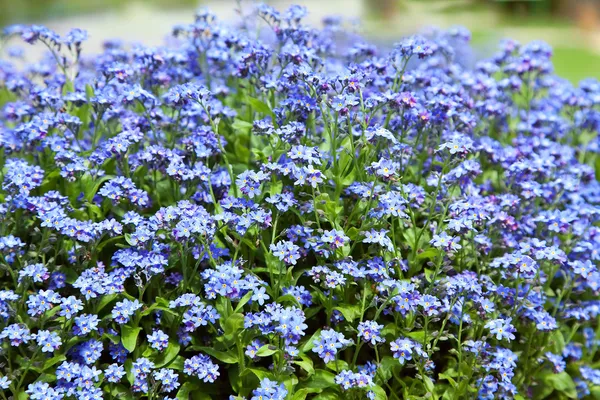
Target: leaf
309	343
306	364
107	242
563	383
276	187
243	301
557	341
185	390
260	106
261	373
328	395
235	379
266	350
177	363
49	378
337	366
353	233
430	253
229	357
52	361
349	312
301	394
449	379
105	300
428	383
321	379
379	392
428	274
129	337
119	392
419	336
595	392
290	382
165	357
233	324
386	368
241	125
241	151
390	329
224	308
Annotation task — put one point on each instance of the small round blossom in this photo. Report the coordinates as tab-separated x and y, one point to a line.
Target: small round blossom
370	332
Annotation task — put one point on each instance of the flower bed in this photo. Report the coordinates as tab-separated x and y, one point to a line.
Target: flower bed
281	212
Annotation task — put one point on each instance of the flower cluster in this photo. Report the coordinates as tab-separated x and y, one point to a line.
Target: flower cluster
273	211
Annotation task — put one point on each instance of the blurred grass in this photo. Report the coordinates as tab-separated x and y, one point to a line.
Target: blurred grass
573	61
19	11
576	64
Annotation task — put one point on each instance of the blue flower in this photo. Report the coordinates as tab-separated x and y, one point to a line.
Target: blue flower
114	372
85	324
370	331
260	295
502	328
5	383
124	310
48	341
158	340
269	390
329	343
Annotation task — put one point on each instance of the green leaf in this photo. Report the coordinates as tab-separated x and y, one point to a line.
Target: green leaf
266	350
449	379
353	233
259	106
309	343
419	336
224	308
350	312
328	395
321	379
429	274
241	151
261	373
276	187
177	363
563	383
428	383
229	357
595	392
290	382
301	394
243	301
337	366
49	378
52	361
430	253
233	324
306	364
165	357
386	368
105	300
129	337
185	390
557	341
241	125
235	380
379	392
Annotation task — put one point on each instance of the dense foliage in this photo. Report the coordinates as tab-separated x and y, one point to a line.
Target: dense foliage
281	212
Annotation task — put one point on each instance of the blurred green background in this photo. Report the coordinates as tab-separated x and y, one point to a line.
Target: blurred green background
572	27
